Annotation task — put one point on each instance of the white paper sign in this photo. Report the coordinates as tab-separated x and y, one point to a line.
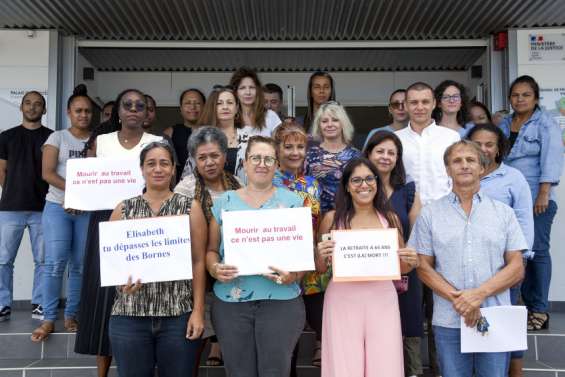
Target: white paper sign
363	255
507	331
152	249
101	183
255	240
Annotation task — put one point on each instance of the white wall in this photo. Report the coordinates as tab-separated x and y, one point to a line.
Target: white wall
548	74
24	65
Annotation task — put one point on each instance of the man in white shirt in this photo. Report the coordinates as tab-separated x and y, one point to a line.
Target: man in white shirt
424	143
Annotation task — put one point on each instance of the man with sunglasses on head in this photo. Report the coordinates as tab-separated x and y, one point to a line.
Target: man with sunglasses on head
397	112
23	198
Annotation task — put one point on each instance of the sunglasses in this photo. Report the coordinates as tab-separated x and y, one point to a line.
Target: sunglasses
138	106
396	105
256	159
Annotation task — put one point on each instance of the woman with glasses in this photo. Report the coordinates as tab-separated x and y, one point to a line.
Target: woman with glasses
384	150
321	89
361	332
325	161
122	137
255	118
258	318
292	143
221	111
536	150
191	103
451	107
158	325
397	112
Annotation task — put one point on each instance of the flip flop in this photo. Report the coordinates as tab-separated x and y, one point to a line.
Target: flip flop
71	325
42	332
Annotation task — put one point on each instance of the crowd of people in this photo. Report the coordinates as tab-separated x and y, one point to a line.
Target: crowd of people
471	196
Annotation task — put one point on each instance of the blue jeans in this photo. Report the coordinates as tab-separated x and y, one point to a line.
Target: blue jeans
453	363
12	226
65	240
139	344
535	288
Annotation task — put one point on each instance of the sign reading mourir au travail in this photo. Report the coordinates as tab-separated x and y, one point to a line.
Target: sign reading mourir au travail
546	47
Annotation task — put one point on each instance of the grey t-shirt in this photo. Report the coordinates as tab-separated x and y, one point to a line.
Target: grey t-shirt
69	147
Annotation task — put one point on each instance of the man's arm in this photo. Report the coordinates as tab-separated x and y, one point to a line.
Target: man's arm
3	165
432	279
471	299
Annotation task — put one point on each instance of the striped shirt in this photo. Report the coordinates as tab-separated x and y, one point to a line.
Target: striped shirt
162	299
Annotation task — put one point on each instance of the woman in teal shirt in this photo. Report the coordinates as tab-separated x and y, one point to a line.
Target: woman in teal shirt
259	318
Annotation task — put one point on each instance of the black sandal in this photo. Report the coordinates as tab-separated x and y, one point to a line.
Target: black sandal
538	321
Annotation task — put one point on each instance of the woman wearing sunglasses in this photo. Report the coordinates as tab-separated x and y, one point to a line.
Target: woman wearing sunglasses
258	318
122	137
397	111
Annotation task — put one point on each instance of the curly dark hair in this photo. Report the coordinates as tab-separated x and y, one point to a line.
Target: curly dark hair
438	93
501	140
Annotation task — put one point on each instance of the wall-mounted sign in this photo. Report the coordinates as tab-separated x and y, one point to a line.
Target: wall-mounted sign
545	47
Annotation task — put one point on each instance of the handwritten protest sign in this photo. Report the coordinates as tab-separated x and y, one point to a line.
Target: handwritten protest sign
362	255
152	249
101	183
255	240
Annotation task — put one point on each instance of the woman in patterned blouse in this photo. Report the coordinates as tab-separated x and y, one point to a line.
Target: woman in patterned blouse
291	142
159	324
326	160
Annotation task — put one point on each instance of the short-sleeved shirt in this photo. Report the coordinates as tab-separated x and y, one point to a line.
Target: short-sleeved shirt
24	188
68	147
423	159
327	167
253	287
272	121
508	185
161	299
468	250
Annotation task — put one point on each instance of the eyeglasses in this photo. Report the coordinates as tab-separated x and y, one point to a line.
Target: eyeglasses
453	98
370	180
256	159
136	105
397	105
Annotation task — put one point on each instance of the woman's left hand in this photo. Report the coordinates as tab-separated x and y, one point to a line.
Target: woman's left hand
409	256
130	288
542	201
280	276
195	326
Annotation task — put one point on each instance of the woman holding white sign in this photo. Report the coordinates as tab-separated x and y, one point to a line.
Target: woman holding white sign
121	137
258	318
361	327
64	230
156	324
384	150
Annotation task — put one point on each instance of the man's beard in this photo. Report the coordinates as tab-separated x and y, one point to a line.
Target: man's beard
34	119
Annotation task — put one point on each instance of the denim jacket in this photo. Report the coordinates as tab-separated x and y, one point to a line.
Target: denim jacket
538	151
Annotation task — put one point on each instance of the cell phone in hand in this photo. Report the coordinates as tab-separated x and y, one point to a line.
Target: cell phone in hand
326	237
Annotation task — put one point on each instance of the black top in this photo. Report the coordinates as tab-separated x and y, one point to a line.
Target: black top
24	189
180	136
231	160
401	201
512	138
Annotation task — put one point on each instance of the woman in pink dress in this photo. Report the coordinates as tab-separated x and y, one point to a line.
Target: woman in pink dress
361	334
